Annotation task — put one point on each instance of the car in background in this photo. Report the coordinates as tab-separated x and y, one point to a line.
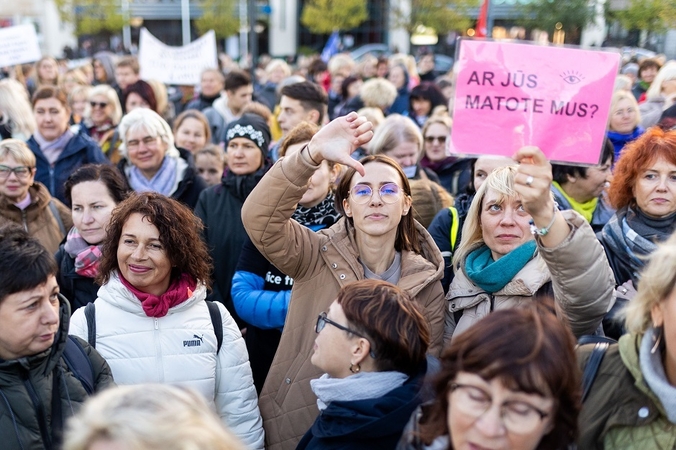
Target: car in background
442	63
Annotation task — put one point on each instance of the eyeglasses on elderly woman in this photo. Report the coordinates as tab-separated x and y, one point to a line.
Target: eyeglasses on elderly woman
322	320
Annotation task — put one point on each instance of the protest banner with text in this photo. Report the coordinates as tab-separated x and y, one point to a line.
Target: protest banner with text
176	65
19	45
509	95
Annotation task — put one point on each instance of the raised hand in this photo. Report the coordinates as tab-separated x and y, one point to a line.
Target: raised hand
533	181
339	138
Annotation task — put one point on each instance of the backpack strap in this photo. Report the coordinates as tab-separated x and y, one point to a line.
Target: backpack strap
455	227
90	315
79	364
217	323
57	216
593	364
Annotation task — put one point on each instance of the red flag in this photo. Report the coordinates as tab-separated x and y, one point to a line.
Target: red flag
482	21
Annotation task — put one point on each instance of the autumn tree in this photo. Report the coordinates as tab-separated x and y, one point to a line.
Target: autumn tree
655	16
443	16
218	15
92	16
572	15
326	16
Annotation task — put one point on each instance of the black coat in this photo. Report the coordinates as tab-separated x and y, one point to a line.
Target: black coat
79	290
220	208
374	424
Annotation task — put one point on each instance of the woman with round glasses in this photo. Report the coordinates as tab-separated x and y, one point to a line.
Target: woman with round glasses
518	392
27	202
376	239
454	173
371	345
152	163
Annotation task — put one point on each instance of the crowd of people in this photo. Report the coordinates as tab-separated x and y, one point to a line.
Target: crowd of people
297	261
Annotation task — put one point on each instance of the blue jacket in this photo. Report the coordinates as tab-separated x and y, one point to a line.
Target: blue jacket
80	150
374	424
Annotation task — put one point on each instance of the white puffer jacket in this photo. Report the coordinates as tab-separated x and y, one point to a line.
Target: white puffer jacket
179	348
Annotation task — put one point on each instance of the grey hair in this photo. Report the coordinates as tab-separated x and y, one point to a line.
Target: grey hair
152	123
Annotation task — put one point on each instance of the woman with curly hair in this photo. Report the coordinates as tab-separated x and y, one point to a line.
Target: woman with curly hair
151	322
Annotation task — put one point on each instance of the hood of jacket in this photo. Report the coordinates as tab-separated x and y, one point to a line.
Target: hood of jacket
43	362
377	417
116	294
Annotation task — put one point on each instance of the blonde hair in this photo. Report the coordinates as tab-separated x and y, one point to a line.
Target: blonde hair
275	63
340	63
373	115
77	74
617	97
666	73
395	130
501	181
378	93
109	93
149	417
15	108
658	280
18	150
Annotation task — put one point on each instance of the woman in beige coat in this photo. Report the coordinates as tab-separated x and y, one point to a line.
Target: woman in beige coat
517	246
378	238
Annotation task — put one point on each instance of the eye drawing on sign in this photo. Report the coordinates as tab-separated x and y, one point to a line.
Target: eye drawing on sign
572	76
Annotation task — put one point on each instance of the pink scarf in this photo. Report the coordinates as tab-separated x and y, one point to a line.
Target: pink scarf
87	257
179	291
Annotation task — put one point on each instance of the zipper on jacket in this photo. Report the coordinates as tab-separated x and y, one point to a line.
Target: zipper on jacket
158	351
51	180
39	410
24	219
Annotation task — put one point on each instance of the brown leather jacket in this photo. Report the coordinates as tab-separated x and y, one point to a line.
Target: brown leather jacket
37	218
320	263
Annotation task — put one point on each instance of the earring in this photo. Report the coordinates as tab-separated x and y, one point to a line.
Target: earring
657	339
355	368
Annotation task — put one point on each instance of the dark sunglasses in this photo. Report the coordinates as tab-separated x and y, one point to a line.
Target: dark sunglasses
322	320
430	139
99	104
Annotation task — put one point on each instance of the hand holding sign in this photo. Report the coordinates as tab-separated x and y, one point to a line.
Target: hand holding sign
504	102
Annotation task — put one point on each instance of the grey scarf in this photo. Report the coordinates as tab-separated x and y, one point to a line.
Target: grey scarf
360	386
655	377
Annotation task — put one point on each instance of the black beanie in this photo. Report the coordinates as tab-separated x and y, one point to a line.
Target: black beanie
252	127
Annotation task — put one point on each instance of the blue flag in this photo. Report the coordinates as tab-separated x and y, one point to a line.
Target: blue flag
331	47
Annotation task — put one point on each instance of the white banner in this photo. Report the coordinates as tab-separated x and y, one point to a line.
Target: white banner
18	45
176	65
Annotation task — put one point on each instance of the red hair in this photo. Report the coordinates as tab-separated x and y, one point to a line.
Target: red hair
635	158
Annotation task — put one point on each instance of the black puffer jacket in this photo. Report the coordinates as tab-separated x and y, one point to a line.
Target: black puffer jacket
28	419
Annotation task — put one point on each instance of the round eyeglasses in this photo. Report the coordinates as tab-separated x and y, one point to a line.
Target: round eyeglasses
21	172
518	417
322	320
363	193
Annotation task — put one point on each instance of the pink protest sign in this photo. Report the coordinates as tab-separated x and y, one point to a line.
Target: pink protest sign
509	95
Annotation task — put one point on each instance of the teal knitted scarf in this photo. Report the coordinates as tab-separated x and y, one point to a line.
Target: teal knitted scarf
491	276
